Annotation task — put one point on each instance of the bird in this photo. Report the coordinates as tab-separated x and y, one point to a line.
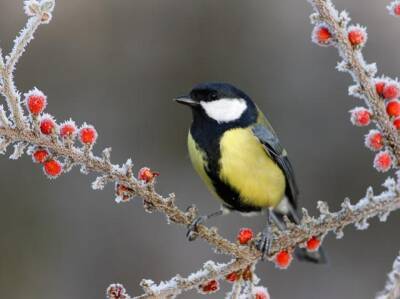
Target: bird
237	154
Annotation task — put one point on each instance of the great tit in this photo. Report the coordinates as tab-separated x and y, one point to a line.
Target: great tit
238	155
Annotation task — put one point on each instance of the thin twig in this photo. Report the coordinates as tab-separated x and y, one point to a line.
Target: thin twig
22	41
8	89
392	287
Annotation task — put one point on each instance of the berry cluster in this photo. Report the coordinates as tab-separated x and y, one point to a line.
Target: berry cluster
64	133
387	89
283	258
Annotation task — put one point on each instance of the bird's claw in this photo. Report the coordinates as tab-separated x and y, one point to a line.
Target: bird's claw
264	244
192	232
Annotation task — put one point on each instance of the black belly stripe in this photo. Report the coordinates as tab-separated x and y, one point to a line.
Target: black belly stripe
209	144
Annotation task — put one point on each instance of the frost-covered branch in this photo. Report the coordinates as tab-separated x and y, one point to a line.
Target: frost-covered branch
296	235
392	287
381	96
39	13
332	28
58	147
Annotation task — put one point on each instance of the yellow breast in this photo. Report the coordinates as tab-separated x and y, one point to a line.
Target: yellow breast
246	167
197	156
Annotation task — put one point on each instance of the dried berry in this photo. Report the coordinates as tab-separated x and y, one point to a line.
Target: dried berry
147	175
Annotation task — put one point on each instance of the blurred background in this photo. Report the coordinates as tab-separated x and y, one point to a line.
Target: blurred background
117	64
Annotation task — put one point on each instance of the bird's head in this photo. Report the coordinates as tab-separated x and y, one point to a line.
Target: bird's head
220	102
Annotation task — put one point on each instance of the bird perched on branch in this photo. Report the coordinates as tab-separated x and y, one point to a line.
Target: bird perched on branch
236	152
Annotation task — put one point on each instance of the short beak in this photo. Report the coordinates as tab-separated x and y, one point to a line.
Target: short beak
186	100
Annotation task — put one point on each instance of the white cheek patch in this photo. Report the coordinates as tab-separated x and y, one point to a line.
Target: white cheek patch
225	110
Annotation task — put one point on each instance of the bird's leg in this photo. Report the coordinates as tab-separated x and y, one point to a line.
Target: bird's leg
264	243
192	228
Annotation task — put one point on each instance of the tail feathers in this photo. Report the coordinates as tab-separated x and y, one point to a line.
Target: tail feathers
316	257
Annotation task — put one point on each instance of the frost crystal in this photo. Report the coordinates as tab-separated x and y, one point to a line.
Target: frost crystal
384	216
392	285
344	18
4	143
100	182
323	207
127	167
19	149
362	225
390	185
339	233
4	122
372	69
355	91
31	8
342	66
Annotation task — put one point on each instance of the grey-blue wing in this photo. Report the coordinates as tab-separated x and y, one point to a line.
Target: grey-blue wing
278	154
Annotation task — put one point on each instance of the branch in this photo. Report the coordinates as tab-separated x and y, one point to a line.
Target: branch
178	285
392	287
332	29
297	235
50	143
354	63
39	14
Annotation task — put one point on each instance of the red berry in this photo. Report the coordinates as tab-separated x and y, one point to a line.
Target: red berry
357	35
40	155
147	175
283	259
321	35
47	125
394	8
383	161
380	86
360	116
260	293
36	101
68	129
393	108
232	277
245	235
52	168
313	244
396	123
88	135
209	287
391	91
374	140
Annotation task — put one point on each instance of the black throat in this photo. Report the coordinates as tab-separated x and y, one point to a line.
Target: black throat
207	134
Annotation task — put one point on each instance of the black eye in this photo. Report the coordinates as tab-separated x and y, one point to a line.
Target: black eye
213	96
